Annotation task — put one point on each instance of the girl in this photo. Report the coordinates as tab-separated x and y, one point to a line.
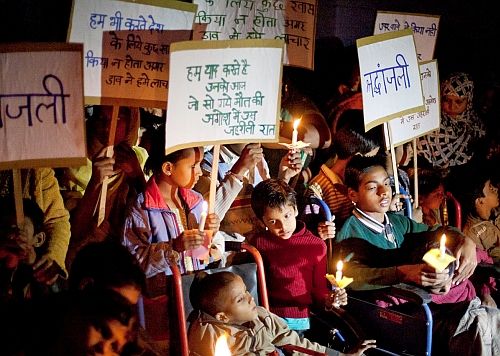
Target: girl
161	225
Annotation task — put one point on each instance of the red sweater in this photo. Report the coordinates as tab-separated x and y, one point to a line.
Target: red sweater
295	271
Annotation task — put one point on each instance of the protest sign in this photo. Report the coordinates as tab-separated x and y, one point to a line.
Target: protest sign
417	124
223	92
90	18
137	74
42	120
424	27
390	77
291	21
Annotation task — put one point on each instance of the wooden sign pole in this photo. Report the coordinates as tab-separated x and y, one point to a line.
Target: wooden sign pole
213	179
415	173
109	153
393	159
18	195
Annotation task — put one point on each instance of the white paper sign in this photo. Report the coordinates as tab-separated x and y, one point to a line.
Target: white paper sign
223	92
390	77
408	127
41	106
91	17
289	20
424	27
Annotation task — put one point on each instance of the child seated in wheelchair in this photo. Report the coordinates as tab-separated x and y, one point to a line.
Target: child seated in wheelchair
480	200
226	307
294	283
462	326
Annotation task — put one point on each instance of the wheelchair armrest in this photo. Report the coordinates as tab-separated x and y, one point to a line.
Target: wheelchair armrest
411	293
488	269
292	348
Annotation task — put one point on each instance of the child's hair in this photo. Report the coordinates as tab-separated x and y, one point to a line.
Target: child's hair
428	180
358	166
107	264
157	154
472	189
207	291
351	137
272	193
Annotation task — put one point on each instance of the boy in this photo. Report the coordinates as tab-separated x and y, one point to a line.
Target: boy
294	284
19	248
225	307
369	188
480	199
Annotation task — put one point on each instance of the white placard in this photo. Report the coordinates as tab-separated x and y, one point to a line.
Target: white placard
424	27
91	17
223	92
390	77
417	124
42	120
289	20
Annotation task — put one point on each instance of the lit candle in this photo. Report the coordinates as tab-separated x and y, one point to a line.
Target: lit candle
295	132
338	274
221	348
203	216
442	246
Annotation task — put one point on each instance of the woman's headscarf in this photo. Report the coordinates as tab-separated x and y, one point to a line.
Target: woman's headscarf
453	144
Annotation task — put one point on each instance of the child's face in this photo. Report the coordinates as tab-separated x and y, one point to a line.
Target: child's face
453	105
434	199
239	307
374	193
23	237
490	199
186	171
281	222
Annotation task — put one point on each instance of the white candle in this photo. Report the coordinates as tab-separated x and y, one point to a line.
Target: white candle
295	132
338	274
203	216
442	246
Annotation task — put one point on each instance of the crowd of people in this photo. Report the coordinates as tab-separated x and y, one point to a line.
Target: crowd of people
70	284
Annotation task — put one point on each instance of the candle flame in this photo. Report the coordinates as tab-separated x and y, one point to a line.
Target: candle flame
204	206
221	348
339	266
296	124
443	240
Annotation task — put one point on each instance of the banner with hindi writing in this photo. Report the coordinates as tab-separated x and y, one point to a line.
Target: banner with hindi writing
42	121
223	92
91	18
138	72
292	21
424	27
390	77
417	124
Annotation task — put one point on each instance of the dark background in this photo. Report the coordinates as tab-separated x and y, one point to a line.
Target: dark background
467	38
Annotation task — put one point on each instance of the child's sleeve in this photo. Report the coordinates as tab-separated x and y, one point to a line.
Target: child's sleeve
483	284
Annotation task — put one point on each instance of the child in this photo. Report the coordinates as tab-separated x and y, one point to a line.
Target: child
348	141
19	248
225	307
162	223
294	284
369	187
430	195
480	199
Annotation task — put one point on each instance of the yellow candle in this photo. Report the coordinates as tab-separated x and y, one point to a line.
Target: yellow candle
442	246
295	132
203	216
338	274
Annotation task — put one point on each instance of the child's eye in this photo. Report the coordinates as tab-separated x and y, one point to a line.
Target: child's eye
287	215
272	222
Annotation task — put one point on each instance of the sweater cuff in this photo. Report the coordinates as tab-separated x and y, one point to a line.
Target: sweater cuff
331	352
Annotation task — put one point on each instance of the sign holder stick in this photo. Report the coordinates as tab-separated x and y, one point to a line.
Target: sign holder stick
415	173
18	195
213	179
393	159
109	153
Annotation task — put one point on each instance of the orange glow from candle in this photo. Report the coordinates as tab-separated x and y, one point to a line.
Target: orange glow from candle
221	348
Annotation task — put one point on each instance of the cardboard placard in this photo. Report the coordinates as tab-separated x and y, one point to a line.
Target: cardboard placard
292	21
42	121
224	92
